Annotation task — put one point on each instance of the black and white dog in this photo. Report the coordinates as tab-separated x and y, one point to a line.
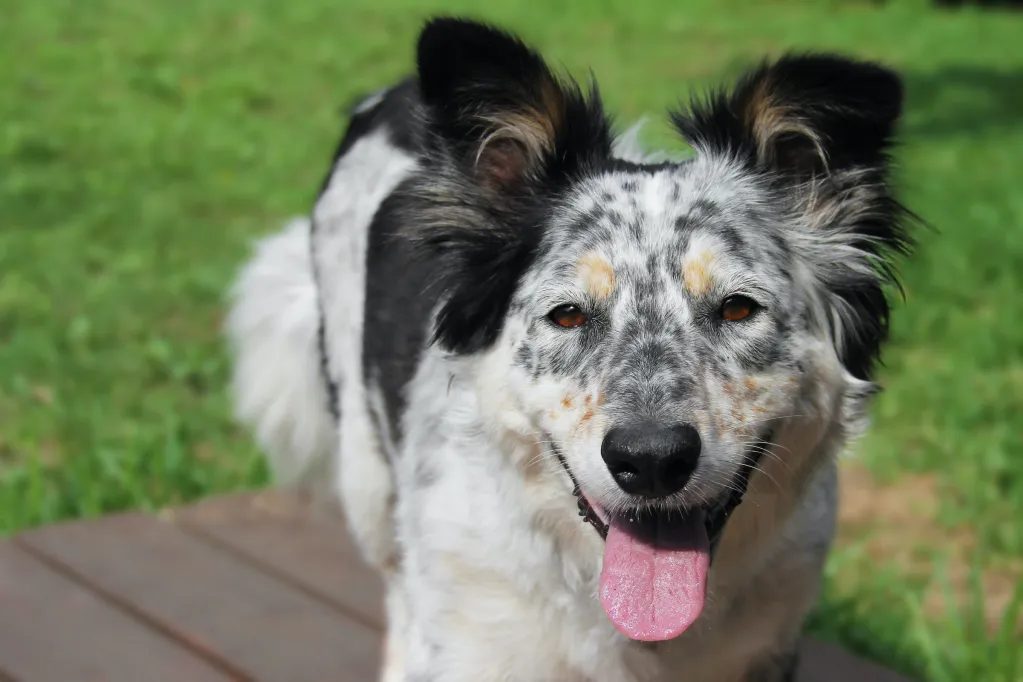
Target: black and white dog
501	317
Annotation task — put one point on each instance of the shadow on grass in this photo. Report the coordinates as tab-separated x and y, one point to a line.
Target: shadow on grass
964	101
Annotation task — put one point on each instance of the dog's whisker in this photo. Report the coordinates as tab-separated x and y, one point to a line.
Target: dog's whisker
755	467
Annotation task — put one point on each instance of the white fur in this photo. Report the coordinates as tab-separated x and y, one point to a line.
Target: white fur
359	182
277	386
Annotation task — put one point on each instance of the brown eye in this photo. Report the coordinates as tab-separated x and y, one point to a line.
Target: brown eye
738	308
567	316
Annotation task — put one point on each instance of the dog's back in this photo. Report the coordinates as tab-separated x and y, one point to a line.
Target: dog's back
307	382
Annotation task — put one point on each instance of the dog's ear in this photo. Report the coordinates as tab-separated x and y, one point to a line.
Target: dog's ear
801	116
504	135
500	111
819	129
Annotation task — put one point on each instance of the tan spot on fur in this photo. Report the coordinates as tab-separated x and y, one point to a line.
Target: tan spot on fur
697	272
597	275
553	102
720	423
587	400
728	388
750	384
566	402
896	524
601	398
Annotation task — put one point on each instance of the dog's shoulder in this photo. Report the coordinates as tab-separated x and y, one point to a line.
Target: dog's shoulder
395	109
392	112
397	298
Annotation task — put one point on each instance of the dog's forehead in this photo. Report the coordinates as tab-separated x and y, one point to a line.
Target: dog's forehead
637	218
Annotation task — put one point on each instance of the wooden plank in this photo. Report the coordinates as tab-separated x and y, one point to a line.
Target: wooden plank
263	628
825	662
295	540
54	629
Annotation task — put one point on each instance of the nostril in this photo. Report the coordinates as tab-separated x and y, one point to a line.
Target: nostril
678	472
622	469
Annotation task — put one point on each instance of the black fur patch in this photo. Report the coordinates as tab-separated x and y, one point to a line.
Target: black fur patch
397	310
396	113
852	105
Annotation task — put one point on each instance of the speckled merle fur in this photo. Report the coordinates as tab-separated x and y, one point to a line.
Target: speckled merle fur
468	203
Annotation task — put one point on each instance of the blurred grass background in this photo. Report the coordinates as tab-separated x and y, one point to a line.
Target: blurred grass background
143	146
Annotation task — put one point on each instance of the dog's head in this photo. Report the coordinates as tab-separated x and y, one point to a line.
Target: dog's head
656	326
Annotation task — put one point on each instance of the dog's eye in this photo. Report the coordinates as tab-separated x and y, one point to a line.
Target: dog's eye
567	316
738	308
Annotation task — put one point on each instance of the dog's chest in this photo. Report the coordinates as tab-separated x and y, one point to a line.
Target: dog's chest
533	607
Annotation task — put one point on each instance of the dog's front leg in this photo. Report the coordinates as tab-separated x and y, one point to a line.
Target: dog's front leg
392	667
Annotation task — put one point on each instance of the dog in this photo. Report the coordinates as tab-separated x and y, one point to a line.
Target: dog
582	404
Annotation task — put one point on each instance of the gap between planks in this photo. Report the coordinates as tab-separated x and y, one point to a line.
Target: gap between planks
282	575
136	613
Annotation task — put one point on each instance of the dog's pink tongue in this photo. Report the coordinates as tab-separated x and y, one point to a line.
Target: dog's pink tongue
654	580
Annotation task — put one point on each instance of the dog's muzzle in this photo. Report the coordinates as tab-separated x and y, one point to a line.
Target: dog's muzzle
716	517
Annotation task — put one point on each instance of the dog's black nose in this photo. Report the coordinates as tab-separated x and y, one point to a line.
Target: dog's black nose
651	460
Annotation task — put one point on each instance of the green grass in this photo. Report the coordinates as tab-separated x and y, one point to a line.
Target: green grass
144	145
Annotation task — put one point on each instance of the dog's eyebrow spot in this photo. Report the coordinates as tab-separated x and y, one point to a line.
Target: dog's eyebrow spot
697	267
597	275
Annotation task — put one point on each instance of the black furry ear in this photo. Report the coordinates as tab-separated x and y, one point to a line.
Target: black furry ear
504	136
500	110
805	115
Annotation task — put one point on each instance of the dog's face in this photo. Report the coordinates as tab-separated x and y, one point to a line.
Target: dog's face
656	321
664	328
653	325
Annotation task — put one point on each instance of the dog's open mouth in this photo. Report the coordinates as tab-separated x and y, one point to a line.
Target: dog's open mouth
656	563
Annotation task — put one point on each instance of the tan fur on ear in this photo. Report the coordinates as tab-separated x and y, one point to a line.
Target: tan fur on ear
533	128
770	119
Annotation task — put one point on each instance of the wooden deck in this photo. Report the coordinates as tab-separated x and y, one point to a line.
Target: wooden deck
251	587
